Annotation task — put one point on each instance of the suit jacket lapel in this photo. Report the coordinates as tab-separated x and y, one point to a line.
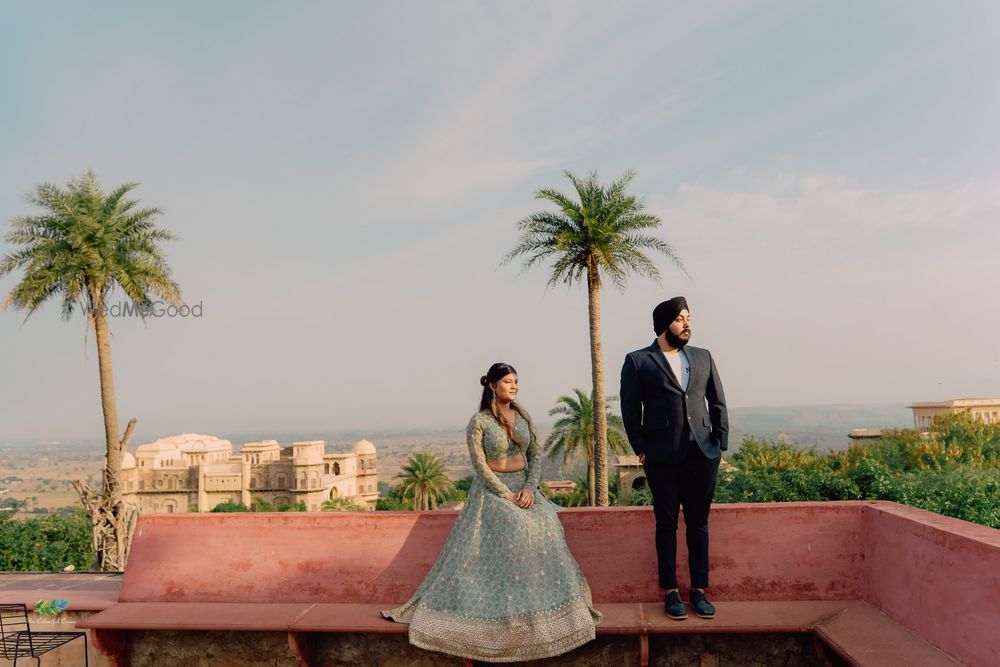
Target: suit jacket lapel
694	366
654	349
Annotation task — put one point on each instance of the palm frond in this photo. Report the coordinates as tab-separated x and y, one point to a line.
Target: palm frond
570	209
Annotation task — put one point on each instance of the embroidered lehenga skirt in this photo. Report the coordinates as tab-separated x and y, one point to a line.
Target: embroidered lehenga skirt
505	587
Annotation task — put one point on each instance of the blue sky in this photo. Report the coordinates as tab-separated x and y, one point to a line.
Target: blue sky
346	178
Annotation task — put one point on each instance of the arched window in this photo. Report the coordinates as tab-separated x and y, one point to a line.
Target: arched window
336	468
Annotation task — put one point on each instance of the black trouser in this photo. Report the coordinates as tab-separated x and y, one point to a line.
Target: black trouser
690	483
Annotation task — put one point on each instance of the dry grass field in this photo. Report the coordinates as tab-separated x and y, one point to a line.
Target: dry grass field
39	476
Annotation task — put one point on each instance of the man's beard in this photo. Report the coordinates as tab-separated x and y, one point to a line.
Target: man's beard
675	342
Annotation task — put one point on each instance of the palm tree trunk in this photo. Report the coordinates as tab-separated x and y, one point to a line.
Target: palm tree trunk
110	543
113	460
591	490
597	397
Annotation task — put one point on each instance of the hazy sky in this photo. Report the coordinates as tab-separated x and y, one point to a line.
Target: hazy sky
346	178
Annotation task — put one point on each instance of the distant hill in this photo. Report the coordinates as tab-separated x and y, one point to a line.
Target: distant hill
820	426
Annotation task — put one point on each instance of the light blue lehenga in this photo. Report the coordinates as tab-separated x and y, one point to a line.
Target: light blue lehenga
505	586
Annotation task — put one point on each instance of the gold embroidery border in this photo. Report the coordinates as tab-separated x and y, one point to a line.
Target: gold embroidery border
526	637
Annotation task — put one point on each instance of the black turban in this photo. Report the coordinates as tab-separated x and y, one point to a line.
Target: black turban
667	312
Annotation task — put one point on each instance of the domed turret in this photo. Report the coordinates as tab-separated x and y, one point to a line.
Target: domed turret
363	447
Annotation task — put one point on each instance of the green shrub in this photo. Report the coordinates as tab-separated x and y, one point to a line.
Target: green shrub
230	506
260	505
341	505
759	455
635	497
964	493
295	507
392	504
954	471
465	483
47	543
873	478
568	499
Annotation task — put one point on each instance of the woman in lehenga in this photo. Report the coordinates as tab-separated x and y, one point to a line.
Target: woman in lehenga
505	586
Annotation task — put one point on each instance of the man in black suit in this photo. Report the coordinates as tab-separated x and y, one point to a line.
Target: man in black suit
676	420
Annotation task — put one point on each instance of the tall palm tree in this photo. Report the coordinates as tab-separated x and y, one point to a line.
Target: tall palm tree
79	249
573	433
599	234
424	478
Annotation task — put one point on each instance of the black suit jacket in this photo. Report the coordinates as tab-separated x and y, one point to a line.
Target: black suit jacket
655	408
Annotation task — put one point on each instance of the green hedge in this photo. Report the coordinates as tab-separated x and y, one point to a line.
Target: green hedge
47	543
954	470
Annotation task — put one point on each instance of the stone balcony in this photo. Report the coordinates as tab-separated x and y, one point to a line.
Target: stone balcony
860	583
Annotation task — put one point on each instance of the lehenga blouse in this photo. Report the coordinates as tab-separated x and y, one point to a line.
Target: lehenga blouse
488	440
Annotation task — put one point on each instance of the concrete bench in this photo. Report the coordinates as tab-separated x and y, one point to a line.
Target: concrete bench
776	568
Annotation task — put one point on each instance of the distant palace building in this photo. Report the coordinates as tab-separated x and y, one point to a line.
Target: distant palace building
631	474
191	472
560	487
858	434
984	409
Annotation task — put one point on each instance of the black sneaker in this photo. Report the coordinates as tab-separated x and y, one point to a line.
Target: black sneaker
673	605
702	607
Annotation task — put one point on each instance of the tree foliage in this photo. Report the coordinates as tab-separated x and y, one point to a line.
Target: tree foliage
424	480
953	470
47	543
341	505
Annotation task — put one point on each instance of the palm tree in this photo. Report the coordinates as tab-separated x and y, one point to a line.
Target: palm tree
424	478
601	233
573	433
340	505
79	249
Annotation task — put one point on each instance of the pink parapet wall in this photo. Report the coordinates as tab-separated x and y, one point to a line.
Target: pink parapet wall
761	551
938	576
809	551
296	557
